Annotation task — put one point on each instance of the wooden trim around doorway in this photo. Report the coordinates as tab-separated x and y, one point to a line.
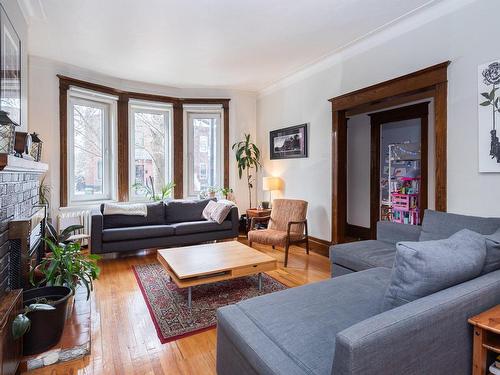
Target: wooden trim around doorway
432	80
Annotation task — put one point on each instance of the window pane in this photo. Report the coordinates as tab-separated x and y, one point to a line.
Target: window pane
203	169
88	141
150	159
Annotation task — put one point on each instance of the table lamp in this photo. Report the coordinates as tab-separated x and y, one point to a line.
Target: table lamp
269	184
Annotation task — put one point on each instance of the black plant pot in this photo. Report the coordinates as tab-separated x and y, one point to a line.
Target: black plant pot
46	326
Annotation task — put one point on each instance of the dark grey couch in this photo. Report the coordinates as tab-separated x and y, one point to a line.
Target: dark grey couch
173	223
339	326
362	255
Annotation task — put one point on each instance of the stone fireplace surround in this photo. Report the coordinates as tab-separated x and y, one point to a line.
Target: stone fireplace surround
18	195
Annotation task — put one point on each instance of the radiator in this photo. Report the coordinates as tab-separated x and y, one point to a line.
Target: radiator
74	216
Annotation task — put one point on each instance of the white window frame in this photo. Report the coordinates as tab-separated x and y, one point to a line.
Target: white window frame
149	107
109	180
200	111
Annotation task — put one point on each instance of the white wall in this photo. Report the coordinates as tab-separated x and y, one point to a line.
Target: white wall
455	30
44	114
16	17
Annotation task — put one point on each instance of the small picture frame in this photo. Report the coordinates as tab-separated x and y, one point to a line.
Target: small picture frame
288	143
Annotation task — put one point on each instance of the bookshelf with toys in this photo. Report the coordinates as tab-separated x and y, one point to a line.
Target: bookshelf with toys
400	189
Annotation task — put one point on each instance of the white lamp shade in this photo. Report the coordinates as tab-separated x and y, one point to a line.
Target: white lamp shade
271	183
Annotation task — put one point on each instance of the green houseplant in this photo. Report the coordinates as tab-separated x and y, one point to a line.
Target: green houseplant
67	265
247	158
225	191
22	323
149	190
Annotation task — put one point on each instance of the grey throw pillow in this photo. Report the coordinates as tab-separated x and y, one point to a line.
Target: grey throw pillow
423	268
492	262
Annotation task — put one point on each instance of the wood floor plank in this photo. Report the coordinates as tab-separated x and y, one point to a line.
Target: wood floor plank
124	339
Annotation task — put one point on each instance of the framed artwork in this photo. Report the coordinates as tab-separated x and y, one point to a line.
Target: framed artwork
288	143
489	116
10	68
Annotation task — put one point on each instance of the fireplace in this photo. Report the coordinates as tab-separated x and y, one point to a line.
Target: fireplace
18	197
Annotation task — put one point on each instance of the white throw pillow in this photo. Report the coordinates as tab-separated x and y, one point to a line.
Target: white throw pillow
132	209
209	208
220	212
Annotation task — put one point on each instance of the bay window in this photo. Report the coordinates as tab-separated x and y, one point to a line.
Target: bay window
204	144
91	120
150	147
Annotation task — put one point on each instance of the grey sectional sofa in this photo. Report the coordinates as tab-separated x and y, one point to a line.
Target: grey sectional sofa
339	326
171	223
362	255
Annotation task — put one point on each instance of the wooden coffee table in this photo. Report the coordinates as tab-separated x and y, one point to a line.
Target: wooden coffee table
203	264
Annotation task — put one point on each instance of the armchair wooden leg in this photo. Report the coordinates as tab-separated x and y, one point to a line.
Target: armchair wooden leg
250	243
307	238
274	247
287	246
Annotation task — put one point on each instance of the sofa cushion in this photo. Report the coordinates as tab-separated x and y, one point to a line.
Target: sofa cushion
182	210
440	225
155	216
363	255
303	322
191	227
492	262
134	233
423	268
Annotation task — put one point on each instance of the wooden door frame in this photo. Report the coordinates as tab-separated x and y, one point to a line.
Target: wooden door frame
432	80
415	111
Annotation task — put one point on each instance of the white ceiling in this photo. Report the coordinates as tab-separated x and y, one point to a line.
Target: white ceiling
240	44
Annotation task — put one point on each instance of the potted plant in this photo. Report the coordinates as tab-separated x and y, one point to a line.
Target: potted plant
247	157
211	191
226	191
41	323
149	190
66	265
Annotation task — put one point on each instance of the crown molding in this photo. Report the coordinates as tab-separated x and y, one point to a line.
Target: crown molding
428	12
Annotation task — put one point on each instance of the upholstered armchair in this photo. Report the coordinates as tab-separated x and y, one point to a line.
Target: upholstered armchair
287	225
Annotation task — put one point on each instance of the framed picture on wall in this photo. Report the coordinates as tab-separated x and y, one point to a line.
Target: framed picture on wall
10	68
288	143
489	117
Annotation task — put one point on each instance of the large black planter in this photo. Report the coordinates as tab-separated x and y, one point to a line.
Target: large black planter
46	326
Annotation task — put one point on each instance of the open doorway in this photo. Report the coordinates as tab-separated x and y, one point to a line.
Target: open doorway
388	159
399	165
426	83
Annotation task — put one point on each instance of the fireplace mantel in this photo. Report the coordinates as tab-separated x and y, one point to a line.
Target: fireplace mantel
11	163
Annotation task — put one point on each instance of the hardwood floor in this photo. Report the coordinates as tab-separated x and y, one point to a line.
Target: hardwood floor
124	340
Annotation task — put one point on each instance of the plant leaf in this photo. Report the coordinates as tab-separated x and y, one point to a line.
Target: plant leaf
486	103
40	307
20	326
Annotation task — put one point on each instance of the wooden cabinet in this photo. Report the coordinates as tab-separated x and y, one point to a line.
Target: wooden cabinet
10	351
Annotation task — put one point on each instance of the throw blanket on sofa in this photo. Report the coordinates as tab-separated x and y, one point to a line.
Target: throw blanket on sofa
135	209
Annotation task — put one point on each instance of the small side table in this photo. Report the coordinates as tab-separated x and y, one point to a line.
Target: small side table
255	212
486	338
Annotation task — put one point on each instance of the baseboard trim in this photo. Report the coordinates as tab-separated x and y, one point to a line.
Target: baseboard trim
358	232
318	246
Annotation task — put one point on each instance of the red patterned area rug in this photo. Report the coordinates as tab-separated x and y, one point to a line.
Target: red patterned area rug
167	303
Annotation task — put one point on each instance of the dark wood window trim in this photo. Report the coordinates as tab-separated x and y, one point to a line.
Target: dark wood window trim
122	129
416	111
432	80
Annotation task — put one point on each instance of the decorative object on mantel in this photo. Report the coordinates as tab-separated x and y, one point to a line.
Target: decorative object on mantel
271	184
288	143
247	157
10	68
489	110
36	147
22	145
7	133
